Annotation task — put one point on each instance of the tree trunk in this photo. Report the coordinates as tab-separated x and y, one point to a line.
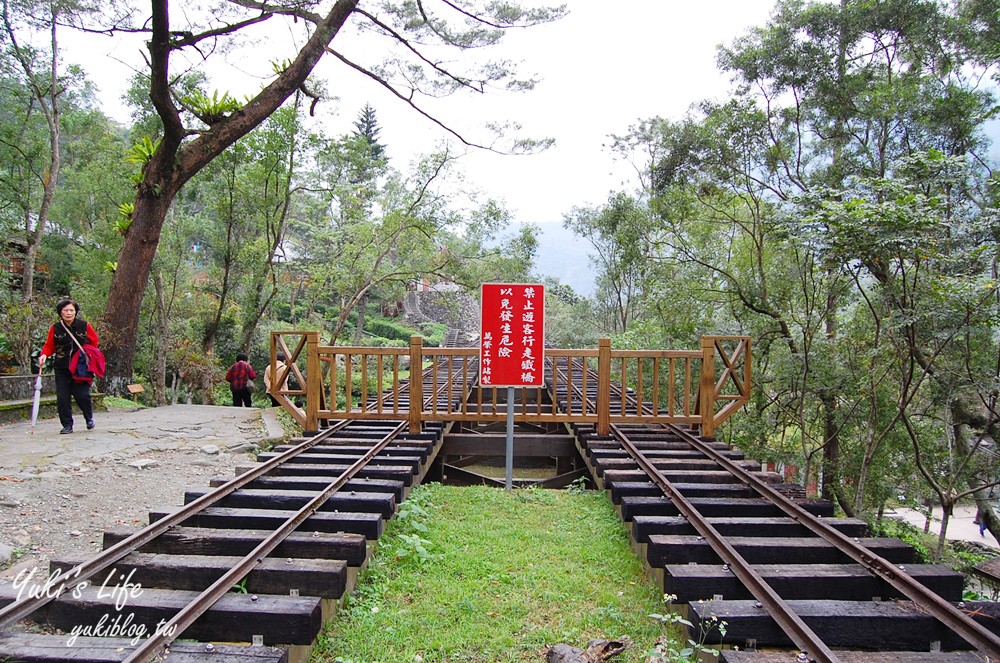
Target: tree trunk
47	97
210	337
831	446
128	285
207	389
159	373
946	510
175	161
276	234
360	327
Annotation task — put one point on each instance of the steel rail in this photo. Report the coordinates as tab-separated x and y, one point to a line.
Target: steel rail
203	602
571	386
949	615
801	635
59	584
970	630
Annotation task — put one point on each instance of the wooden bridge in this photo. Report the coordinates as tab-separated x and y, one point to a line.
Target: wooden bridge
696	388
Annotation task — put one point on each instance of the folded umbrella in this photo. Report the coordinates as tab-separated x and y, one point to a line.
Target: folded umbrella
38	397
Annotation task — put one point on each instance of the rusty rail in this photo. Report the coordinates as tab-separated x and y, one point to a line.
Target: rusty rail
962	624
175	627
803	637
29	604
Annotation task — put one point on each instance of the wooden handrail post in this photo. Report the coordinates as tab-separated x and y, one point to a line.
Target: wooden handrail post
314	382
747	370
706	388
416	382
603	386
273	348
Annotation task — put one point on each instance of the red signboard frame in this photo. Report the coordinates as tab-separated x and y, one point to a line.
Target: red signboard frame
512	343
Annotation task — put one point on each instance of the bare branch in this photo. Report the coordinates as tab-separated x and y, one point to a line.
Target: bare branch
408	100
284	10
190	39
558	11
406	43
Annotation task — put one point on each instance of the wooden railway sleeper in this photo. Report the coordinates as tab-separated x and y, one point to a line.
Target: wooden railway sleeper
801	635
173	628
971	631
28	604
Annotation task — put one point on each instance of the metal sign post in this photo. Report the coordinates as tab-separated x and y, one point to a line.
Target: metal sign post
512	345
510	439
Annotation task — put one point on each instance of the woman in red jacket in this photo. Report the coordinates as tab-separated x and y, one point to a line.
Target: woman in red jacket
60	346
239	376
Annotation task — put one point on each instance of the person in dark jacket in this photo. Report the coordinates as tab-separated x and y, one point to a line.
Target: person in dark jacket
238	376
60	346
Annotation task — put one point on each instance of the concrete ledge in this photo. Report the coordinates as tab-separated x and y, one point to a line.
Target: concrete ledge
275	431
20	410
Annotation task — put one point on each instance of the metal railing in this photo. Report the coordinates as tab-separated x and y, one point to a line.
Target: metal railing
700	388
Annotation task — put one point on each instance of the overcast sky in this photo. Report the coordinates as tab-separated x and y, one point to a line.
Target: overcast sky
602	68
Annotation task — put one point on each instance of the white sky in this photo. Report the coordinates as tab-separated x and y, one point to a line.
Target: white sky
601	69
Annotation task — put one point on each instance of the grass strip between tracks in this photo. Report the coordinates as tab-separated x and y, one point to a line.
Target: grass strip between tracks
482	574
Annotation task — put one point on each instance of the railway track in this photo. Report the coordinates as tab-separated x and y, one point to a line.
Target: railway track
736	545
263	559
267	557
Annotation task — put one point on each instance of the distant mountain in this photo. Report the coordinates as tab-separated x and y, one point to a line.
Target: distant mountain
564	256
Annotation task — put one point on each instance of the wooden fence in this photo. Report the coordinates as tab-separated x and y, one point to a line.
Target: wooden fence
603	386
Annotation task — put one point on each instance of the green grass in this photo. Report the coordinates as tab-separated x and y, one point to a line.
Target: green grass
482	574
122	403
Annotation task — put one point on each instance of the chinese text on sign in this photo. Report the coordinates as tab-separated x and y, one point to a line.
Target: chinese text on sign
513	338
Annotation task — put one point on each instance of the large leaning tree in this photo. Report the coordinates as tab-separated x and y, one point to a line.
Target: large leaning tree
410	37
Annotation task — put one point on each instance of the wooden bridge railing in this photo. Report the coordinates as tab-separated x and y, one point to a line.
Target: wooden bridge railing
701	387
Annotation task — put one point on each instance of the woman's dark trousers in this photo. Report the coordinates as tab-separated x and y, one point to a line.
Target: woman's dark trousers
68	389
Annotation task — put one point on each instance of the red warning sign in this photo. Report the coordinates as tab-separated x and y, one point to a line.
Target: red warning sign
512	345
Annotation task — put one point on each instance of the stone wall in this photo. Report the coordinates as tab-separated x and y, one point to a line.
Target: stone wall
22	387
458	310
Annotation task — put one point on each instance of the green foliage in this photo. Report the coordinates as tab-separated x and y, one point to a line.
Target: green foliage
900	529
24	327
689	651
142	151
389	329
570	320
964	561
210	109
970	595
836	210
433	333
124	220
617	231
412	546
122	403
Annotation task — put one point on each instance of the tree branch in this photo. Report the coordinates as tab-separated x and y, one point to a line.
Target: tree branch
409	101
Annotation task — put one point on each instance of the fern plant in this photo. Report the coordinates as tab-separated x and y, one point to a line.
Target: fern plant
210	109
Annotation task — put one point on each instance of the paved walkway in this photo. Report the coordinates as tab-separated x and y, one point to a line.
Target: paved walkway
960	525
24	448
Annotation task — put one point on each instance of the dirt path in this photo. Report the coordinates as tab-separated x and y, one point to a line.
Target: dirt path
58	493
